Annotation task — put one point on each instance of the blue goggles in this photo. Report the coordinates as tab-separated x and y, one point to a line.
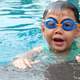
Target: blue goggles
66	24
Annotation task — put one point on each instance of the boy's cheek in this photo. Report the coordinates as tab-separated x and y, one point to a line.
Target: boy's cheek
42	27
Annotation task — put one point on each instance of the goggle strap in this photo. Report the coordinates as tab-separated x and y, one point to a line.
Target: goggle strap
59	25
78	25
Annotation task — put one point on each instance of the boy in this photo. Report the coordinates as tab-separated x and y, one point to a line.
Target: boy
60	26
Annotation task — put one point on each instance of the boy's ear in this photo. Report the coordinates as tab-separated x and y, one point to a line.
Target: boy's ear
42	27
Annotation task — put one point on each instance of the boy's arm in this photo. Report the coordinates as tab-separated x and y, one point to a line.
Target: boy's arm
26	59
34	52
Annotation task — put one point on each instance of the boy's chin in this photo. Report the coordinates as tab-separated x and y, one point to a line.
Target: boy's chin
60	50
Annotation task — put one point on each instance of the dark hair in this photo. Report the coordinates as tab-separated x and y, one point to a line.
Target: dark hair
62	5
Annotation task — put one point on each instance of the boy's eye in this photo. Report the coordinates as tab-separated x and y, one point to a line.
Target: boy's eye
67	24
50	23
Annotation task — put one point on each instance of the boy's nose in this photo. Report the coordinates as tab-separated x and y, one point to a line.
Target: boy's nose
59	29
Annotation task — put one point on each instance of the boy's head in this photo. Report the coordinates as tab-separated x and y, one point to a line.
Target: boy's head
59	25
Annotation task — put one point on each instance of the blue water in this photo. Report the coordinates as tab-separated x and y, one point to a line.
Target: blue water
20	30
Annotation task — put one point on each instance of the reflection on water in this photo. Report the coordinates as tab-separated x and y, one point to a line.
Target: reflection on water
19	27
16	13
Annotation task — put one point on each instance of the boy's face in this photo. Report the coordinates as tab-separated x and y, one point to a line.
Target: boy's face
58	39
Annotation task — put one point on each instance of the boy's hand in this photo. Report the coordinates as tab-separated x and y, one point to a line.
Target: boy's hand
78	58
23	63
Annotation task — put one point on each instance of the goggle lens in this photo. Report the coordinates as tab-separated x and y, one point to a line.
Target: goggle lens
51	23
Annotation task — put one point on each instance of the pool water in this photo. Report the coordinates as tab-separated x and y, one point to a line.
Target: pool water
20	31
19	27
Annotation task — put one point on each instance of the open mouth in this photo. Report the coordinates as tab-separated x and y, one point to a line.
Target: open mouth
58	41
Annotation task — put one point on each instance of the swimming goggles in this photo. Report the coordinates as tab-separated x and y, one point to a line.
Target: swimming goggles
66	24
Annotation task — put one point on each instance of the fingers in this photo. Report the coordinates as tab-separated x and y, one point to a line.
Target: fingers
19	64
24	63
27	63
30	63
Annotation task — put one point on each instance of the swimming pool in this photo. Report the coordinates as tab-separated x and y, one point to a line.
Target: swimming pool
19	27
19	32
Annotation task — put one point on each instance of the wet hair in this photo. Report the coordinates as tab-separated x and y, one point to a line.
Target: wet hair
62	5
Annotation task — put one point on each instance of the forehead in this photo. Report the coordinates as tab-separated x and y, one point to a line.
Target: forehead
61	14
